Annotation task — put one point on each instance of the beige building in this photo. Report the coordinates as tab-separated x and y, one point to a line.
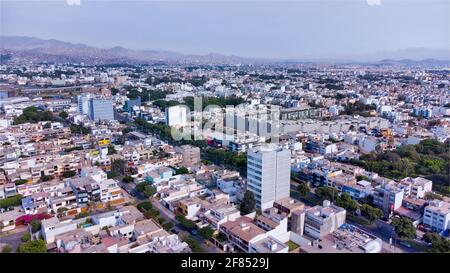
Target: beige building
191	155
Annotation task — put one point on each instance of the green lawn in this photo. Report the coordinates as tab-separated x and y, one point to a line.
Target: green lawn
292	245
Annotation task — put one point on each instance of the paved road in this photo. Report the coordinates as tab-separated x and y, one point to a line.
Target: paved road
14	239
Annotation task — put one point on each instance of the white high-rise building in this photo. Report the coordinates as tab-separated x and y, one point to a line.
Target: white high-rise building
101	109
268	174
176	115
83	103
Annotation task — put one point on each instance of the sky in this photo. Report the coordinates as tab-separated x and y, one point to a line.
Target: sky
295	29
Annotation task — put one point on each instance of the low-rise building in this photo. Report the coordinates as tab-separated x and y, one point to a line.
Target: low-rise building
437	216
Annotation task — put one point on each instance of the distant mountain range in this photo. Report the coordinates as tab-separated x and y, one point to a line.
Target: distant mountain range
40	50
58	51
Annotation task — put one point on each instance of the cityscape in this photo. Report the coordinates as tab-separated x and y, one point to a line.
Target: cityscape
120	150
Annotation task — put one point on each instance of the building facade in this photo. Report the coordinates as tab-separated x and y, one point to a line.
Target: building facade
268	174
101	109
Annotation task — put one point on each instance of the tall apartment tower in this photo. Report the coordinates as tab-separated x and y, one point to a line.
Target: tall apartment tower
83	103
101	109
268	174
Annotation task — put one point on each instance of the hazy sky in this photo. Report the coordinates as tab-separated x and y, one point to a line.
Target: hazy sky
251	28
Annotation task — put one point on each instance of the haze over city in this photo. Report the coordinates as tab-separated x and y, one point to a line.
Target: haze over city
306	30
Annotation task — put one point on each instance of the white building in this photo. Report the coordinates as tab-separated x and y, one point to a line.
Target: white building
388	197
268	174
83	104
322	220
53	227
176	115
416	187
437	216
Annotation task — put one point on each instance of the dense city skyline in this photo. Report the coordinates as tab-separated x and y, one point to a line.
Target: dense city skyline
243	128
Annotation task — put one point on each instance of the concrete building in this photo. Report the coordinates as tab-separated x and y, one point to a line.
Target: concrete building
191	155
416	187
268	174
388	197
52	227
436	216
101	109
83	104
323	220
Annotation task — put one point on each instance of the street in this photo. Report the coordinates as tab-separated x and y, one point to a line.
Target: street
13	239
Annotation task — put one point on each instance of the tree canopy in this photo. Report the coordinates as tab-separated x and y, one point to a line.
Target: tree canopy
404	227
248	203
34	246
33	115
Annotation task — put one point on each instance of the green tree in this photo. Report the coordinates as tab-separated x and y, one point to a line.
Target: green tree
438	244
127	179
371	213
347	202
248	203
63	115
182	170
60	211
168	226
187	224
206	232
111	150
35	246
404	227
82	215
151	213
35	225
126	130
149	191
6	249
141	186
146	205
11	201
45	178
326	193
194	245
33	115
362	177
67	174
21	182
114	91
26	237
303	189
